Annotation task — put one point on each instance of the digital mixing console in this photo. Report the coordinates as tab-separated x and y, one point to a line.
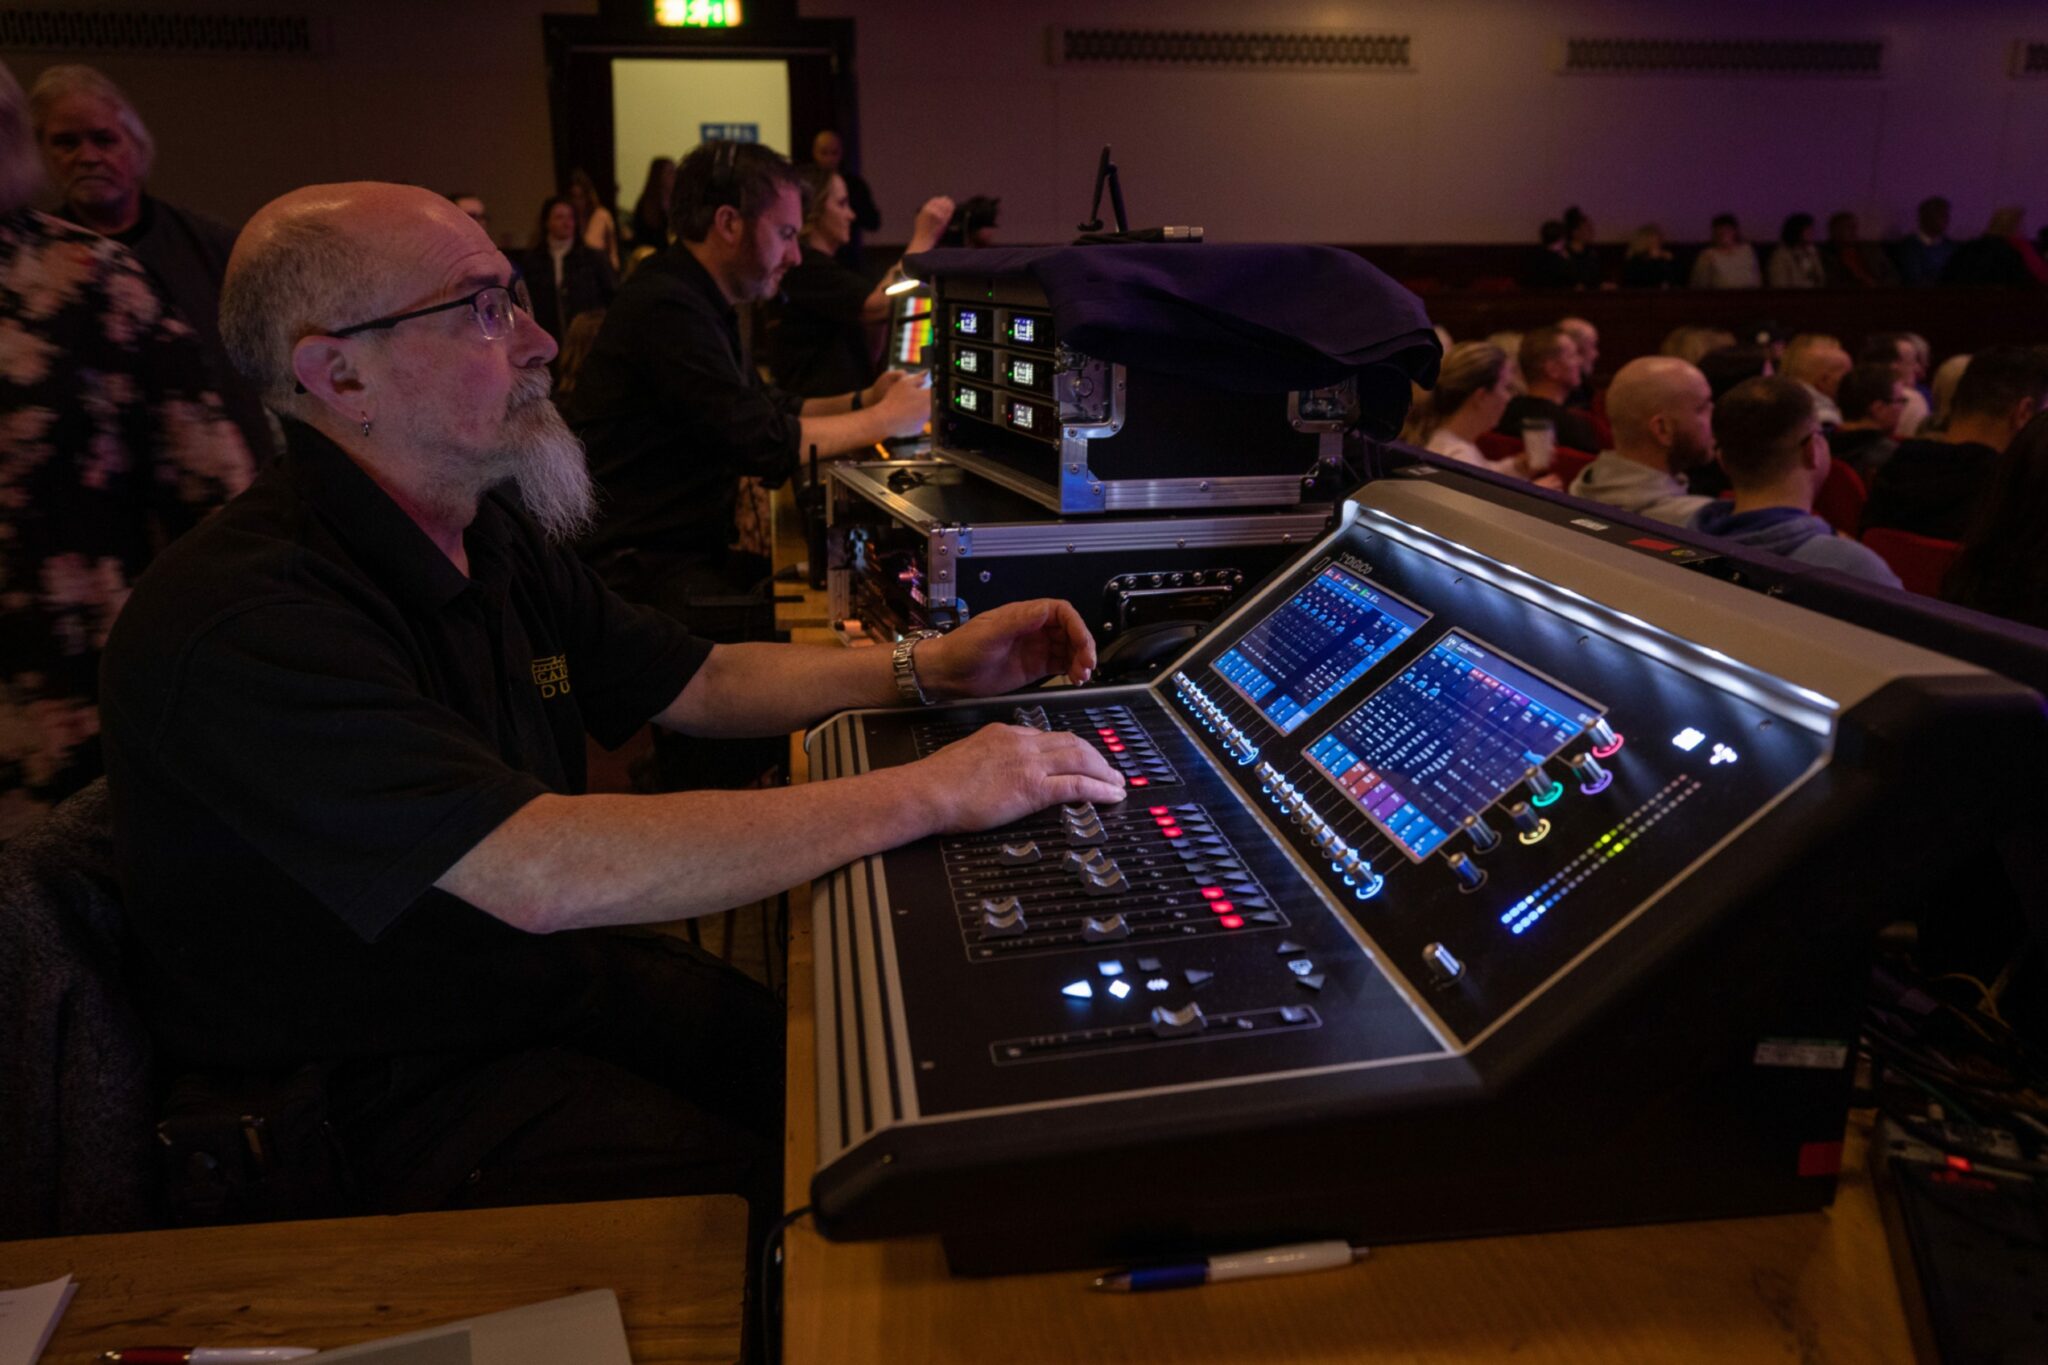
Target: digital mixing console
1475	876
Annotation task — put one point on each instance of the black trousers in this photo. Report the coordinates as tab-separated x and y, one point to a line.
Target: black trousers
669	1083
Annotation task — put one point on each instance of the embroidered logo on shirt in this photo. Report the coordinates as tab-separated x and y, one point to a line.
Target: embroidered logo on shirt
551	675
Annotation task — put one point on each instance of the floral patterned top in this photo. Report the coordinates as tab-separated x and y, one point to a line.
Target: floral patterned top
110	444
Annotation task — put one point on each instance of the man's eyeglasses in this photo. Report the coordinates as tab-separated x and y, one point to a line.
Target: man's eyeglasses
493	306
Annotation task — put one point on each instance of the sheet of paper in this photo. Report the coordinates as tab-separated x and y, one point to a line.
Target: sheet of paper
29	1316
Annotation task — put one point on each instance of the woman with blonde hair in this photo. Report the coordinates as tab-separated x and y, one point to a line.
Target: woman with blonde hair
1471	393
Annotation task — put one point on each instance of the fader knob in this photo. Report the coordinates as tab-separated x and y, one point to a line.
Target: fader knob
1176	1023
1543	788
1530	827
1104	929
1442	965
1471	876
1484	840
1017	855
1592	777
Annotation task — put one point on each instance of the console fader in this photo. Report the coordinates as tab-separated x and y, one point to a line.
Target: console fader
1474	876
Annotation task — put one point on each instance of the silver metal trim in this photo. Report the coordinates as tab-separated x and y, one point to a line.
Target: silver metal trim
1239	490
1017	538
860	482
1002	476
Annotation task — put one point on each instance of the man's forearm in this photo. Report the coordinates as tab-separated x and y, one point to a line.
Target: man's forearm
843	432
765	689
574	862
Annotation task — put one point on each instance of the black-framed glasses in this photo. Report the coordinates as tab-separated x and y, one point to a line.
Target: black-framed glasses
493	305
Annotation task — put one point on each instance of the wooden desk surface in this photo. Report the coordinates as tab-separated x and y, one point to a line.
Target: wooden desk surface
1809	1288
676	1264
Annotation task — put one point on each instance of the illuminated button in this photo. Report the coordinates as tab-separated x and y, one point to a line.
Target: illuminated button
1119	988
1593	779
1104	929
1079	990
1267	917
1196	977
1483	837
1158	810
1231	922
1141	782
1293	1014
1314	981
1148	964
1441	963
1177	1023
1470	875
1172	831
1212	893
1110	968
1157	983
1288	945
1301	966
1016	855
1222	907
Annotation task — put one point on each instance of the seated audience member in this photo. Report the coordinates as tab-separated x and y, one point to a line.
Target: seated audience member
1941	394
1932	485
1586	337
649	224
1580	253
1470	395
346	729
1873	403
828	150
99	154
1690	343
563	275
1818	363
114	445
2003	565
1796	262
820	330
1853	263
1649	264
1550	265
2002	256
1511	343
600	230
1907	356
1922	255
1776	457
1727	366
1726	262
974	222
1662	415
1550	371
671	411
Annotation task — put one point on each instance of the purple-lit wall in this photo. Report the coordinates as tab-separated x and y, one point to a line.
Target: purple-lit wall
1478	143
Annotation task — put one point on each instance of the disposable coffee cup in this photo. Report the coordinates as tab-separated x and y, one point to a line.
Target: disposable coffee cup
1539	444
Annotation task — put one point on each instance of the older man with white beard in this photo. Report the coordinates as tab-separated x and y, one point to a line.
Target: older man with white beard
346	725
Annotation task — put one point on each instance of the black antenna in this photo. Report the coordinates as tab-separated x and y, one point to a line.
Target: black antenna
1105	174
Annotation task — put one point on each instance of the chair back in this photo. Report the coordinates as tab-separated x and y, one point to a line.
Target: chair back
1498	446
1839	502
1567	463
75	1058
1921	562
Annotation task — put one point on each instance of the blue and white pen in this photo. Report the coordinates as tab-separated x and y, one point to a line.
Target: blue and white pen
1241	1265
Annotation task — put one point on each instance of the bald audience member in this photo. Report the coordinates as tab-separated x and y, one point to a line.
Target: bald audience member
1818	364
1551	369
346	724
1661	410
1771	444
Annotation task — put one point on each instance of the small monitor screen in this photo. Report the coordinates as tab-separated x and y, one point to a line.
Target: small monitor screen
1024	415
970	322
1028	329
911	330
1024	373
968	399
1319	642
970	360
1448	737
1024	329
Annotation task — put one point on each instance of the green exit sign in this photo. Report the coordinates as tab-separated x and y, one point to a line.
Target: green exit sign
697	13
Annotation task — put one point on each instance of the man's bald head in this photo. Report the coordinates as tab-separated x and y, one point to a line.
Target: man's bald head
326	256
1660	408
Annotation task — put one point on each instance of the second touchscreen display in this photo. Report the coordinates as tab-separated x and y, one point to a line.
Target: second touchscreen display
1446	739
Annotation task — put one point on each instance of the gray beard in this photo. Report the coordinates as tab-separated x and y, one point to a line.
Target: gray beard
545	463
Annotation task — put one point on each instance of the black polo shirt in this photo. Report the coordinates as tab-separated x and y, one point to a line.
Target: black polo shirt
1930	488
309	715
673	414
817	343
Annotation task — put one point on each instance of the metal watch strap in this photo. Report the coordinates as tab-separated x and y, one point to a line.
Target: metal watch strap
904	666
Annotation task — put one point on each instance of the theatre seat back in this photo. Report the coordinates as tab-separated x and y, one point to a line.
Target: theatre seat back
1921	562
1841	497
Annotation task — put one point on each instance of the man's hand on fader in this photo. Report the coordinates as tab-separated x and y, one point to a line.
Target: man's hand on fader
1007	648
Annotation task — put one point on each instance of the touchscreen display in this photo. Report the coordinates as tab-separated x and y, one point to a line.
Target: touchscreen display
1446	739
1319	642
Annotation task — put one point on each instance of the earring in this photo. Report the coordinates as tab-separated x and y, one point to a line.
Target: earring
366	426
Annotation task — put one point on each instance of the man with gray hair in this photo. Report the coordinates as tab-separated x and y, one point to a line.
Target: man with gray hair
99	152
346	729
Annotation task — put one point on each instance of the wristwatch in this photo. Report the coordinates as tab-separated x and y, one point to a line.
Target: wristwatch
904	667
